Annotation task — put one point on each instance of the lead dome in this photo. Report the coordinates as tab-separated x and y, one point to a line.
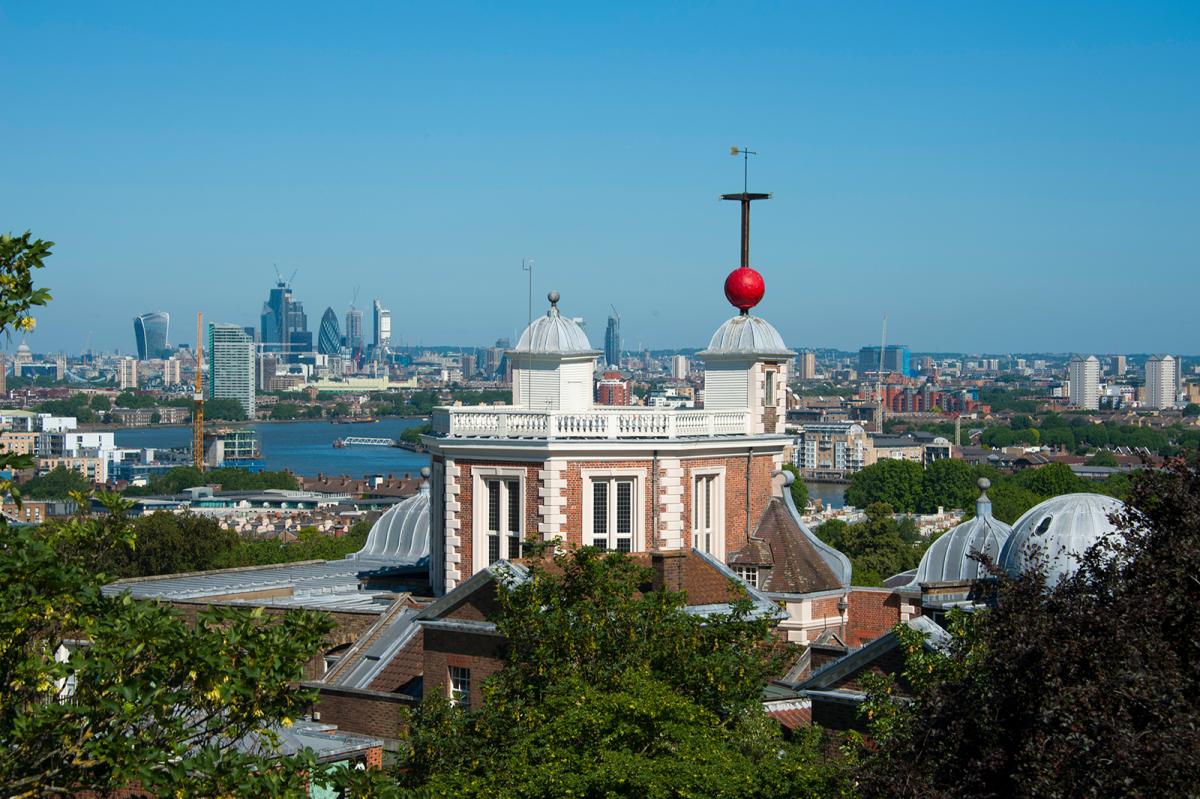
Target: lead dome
747	335
1061	529
401	534
948	559
554	334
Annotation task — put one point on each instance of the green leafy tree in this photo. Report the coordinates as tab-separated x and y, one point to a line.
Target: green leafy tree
229	410
798	488
1191	410
1010	500
133	399
895	482
1104	458
169	543
101	403
947	483
1085	689
149	699
59	483
1051	480
612	689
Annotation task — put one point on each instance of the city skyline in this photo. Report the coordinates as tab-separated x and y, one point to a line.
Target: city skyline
920	166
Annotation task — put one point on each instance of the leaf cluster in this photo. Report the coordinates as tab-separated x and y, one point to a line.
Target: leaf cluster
1086	689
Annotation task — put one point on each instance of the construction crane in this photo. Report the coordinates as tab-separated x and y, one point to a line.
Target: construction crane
198	399
879	379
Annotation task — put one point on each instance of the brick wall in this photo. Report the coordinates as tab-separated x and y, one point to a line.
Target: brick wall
466	500
374	713
871	614
479	653
836	715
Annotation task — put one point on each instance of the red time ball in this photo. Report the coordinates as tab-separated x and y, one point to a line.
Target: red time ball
744	288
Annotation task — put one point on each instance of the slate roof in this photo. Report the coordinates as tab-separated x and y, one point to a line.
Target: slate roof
798	561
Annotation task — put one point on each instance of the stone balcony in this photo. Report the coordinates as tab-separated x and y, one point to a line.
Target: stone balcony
598	423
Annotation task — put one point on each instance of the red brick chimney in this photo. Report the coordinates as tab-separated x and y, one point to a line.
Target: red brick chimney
668	565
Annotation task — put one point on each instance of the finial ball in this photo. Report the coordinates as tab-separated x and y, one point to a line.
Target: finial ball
984	483
425	472
553	297
744	288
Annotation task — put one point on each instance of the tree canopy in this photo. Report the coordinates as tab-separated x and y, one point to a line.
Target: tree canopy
223	408
59	483
1086	689
104	692
612	689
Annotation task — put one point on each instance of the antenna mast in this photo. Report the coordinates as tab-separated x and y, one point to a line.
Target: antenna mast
527	266
198	399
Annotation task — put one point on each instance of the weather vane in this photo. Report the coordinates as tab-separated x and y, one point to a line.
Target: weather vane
745	154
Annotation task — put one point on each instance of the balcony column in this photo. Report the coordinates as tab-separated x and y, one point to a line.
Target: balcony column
502	424
611	426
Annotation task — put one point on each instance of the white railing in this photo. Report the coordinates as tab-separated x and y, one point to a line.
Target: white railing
597	423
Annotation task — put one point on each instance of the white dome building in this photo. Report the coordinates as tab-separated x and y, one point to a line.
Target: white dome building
948	559
1060	530
401	534
746	335
553	364
746	366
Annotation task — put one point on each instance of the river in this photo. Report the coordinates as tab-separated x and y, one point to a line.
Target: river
832	494
305	447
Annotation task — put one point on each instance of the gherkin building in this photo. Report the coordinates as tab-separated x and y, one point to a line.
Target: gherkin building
329	340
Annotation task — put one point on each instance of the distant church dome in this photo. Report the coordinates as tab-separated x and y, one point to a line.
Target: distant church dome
949	557
554	334
747	335
1062	529
23	349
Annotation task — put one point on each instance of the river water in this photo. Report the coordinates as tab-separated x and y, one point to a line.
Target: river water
306	447
832	494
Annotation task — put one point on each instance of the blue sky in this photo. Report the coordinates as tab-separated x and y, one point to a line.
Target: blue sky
993	176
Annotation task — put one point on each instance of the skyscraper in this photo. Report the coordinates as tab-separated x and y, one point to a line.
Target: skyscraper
150	331
612	341
383	327
806	365
284	324
275	314
231	364
354	331
1083	377
679	367
1117	365
329	340
897	359
1160	381
127	373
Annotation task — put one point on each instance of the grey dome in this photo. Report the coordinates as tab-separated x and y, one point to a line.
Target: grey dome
1062	528
949	557
554	334
747	335
401	534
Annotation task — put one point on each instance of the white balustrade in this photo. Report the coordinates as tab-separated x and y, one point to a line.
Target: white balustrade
597	423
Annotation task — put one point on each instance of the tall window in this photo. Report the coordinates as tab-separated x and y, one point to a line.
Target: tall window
612	514
705	509
770	398
503	519
460	687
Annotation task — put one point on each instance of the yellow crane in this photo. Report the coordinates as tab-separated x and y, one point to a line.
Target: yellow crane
198	398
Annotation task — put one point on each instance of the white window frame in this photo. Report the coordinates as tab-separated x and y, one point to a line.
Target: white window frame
638	511
458	686
769	388
715	477
748	574
480	557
